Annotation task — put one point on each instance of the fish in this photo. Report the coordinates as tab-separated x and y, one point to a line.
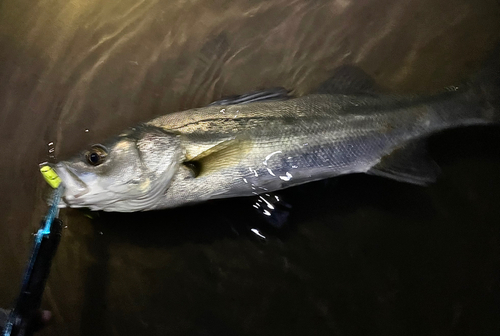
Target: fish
265	141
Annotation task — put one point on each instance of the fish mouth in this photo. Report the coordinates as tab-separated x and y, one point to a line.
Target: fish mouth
74	186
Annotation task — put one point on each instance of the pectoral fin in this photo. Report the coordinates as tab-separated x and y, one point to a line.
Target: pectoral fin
223	155
409	163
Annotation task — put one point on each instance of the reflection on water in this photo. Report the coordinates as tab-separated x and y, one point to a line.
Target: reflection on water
361	255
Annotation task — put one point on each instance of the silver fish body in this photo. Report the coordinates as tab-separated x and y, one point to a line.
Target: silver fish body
249	149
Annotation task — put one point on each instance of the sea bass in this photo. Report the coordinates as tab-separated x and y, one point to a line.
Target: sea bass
267	141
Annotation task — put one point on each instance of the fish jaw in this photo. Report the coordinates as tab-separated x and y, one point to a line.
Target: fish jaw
77	191
87	191
90	193
74	186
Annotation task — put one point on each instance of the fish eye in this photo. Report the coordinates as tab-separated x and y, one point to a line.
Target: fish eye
96	155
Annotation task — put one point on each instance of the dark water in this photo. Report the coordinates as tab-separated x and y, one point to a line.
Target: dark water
361	256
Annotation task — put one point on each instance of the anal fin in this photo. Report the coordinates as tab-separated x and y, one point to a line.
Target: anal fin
409	163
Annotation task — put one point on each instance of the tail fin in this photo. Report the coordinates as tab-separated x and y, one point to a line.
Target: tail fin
486	84
477	102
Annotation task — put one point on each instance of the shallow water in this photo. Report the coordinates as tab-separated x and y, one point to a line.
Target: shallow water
362	255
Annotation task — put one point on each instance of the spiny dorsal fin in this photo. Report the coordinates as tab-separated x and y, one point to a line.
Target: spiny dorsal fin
272	94
409	163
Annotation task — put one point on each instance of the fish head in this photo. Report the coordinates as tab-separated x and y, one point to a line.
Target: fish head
129	173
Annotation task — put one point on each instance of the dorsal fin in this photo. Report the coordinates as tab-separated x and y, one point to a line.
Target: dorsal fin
272	94
348	79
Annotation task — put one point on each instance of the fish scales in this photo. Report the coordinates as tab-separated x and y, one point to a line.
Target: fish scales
248	149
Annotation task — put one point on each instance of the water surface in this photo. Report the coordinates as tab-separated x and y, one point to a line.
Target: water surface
362	255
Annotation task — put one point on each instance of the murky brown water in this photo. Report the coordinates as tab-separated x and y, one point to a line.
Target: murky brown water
363	256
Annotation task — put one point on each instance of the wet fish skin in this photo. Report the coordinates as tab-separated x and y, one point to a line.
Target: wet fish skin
247	149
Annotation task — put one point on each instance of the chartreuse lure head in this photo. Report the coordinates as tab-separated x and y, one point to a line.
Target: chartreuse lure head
50	175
